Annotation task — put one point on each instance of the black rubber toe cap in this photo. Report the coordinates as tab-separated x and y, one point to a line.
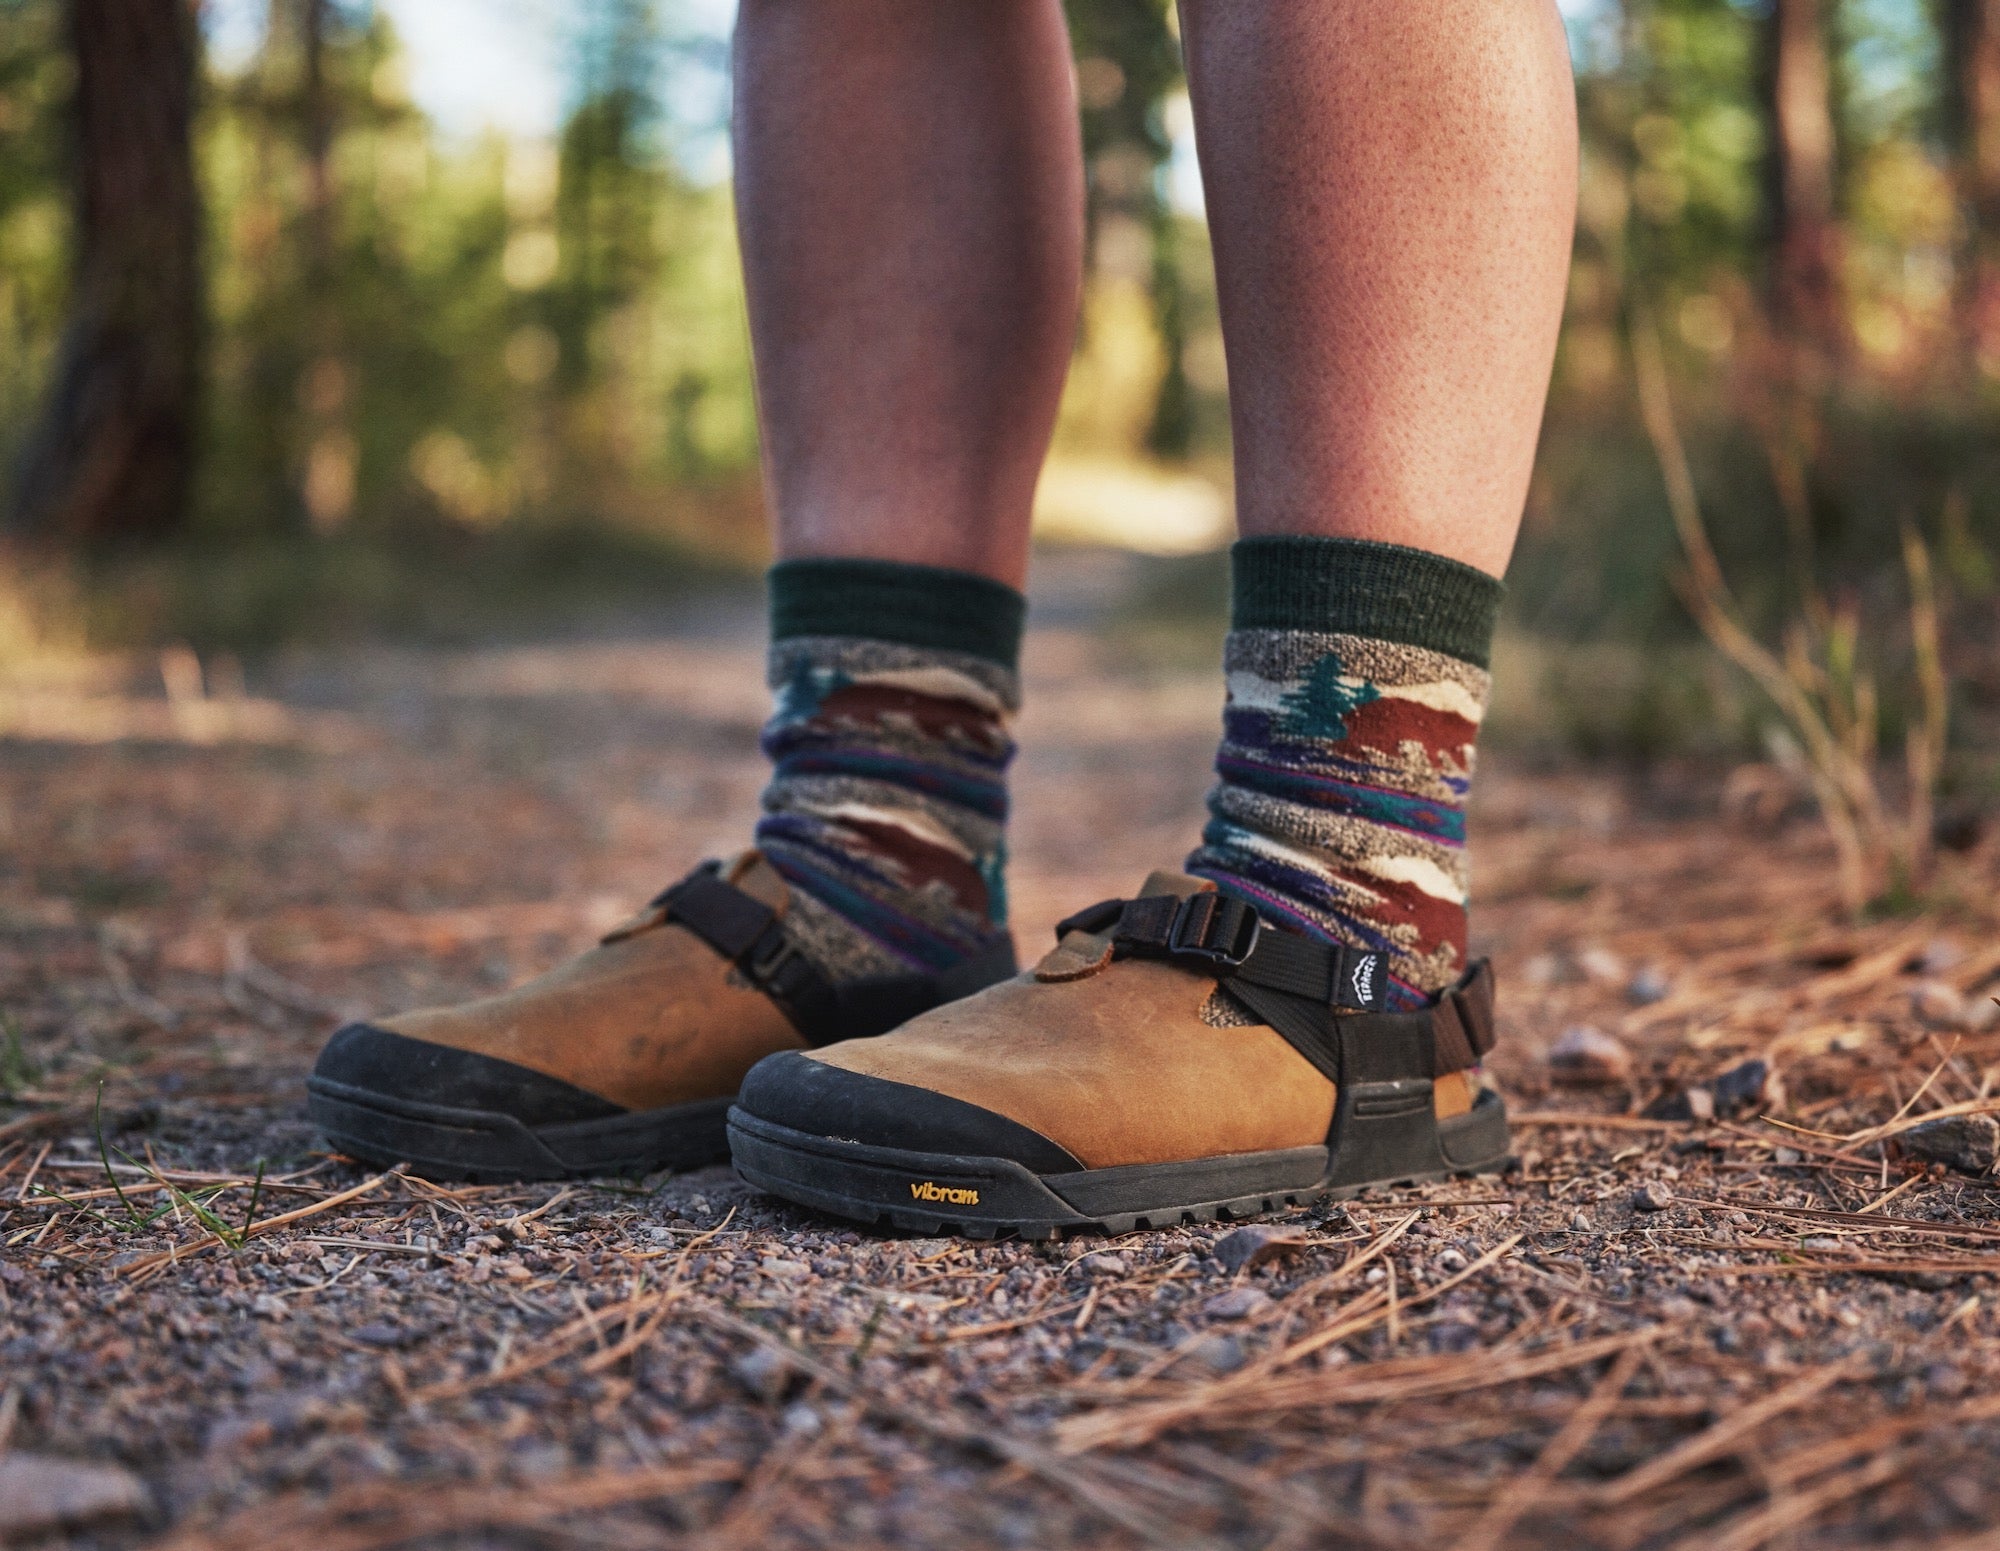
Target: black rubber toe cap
361	1058
791	1089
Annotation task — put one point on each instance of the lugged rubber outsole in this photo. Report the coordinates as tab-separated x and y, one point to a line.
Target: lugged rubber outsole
985	1197
488	1147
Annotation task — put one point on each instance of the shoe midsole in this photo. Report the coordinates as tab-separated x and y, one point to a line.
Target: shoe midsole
441	1135
837	1173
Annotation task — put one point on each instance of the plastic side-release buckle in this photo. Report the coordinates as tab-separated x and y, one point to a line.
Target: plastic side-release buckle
1215	929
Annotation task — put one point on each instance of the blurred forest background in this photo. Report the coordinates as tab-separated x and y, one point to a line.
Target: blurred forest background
307	365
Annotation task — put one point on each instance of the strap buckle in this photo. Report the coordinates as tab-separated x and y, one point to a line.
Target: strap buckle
1215	928
765	960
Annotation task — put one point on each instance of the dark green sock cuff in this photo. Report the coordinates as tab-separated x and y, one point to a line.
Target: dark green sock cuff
1357	587
912	605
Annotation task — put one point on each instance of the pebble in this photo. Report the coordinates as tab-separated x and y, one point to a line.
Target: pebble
1819	1243
1656	1195
1691	1104
790	1270
1602	965
1452	1261
40	1493
1943	1006
1579	1222
1237	1303
1748	1087
763	1373
801	1419
1252	1246
1967	1143
1940	955
1103	1264
1454	1335
1588	1056
1649	984
1218	1353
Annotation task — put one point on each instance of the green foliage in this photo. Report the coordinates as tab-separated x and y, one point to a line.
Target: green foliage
455	382
198	1204
34	217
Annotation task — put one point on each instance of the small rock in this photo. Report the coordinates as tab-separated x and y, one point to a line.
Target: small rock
1105	1264
1939	1004
925	1249
1237	1303
1656	1195
764	1374
1454	1335
1218	1353
530	1461
1602	965
1968	1143
1749	1088
1587	1056
1579	1222
39	1493
1940	956
1785	1157
1649	984
1691	1104
1819	1243
774	1265
801	1420
377	1335
1452	1261
1252	1246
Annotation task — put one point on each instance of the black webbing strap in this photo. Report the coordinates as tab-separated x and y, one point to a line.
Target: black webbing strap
1326	999
747	932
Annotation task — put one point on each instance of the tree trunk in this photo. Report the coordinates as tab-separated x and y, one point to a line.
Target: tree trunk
113	455
1972	59
1806	237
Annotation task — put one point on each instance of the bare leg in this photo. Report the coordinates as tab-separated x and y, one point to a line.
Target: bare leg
910	193
1391	189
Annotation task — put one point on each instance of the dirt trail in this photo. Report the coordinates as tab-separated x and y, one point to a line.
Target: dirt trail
1651	1333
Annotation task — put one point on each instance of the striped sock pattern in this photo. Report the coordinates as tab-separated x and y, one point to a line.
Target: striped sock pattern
1344	769
887	806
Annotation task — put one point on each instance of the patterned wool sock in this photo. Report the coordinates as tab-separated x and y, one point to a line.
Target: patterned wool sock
887	807
1357	681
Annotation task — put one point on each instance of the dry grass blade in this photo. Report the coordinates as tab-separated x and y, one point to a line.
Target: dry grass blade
379	1517
1802	1464
1140	1423
1865	1218
1520	1494
637	1334
1761	1526
1082	1484
1828	701
1723	1437
1224	1406
154	1263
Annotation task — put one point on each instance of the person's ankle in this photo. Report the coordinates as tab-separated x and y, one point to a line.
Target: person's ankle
1357	682
896	686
